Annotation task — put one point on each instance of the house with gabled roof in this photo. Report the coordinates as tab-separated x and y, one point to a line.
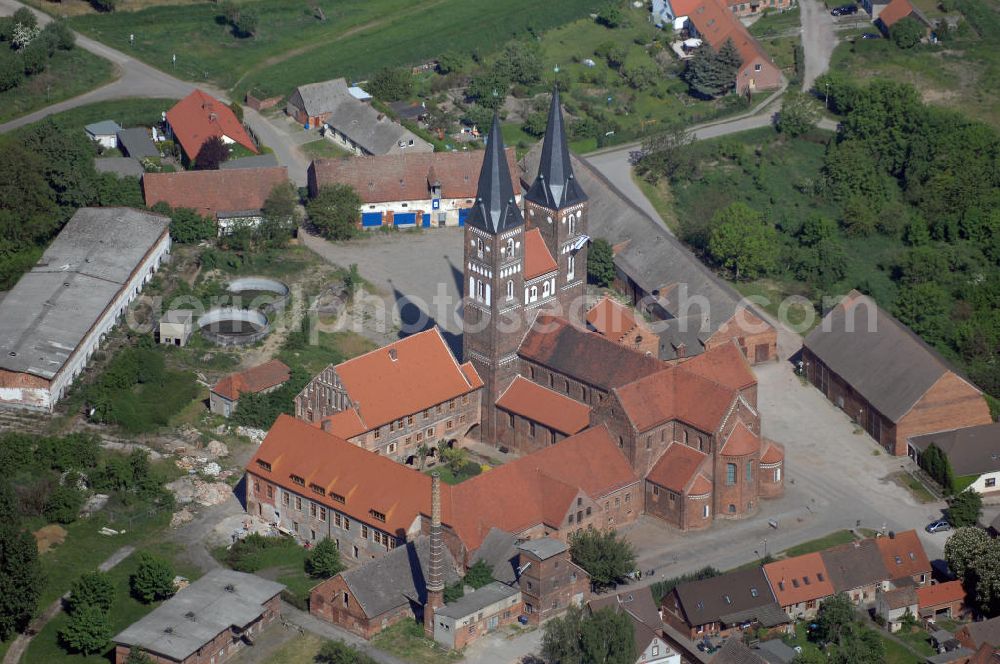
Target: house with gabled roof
885	377
904	558
396	399
225	395
799	584
199	117
622	325
651	647
537	416
857	570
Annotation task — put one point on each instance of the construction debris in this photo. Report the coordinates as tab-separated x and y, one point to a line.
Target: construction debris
181	517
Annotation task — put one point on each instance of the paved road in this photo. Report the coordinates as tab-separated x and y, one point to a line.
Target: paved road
818	39
21	643
137	79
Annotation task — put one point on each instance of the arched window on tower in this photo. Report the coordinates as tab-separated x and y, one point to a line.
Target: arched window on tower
572	224
545	289
570	267
510	290
480	290
510	248
479	247
534	293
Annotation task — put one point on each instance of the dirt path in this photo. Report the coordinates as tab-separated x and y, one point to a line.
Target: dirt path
21	643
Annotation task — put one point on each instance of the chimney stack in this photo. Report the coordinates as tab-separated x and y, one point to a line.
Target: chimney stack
435	580
326	425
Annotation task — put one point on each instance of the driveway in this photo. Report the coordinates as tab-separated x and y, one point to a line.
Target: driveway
818	39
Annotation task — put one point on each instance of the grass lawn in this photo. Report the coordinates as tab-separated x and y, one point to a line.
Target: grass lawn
126	112
914	486
918	639
961	73
300	650
406	640
774	298
69	73
323	149
332	347
660	196
45	646
772	23
964	482
833	539
894	652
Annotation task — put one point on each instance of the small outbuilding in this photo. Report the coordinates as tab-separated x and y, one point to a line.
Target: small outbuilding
263	378
972	452
104	132
211	620
894	605
476	614
123	167
176	327
136	143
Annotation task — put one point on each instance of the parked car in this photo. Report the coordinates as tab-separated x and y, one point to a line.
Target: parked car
939	526
871	35
844	10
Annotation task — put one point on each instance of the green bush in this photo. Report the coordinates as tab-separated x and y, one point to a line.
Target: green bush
91	589
153	580
63	504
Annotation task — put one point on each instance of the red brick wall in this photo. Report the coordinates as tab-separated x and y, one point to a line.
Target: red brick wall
469	633
518	437
326	602
951	403
755	337
549	586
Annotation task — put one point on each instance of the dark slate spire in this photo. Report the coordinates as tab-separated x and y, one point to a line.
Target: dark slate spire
495	209
555	187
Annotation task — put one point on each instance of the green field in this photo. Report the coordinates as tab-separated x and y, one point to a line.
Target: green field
812	546
126	112
69	73
961	73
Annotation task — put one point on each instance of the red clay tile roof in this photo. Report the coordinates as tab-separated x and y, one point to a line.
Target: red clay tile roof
214	192
725	364
611	319
940	593
386	178
253	380
716	23
773	453
555	343
424	374
700	487
345	424
537	259
675	393
551	409
199	116
741	441
904	555
540	487
471	375
676	467
366	481
894	12
799	579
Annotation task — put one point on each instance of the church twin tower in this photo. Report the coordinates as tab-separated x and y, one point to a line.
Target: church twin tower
520	264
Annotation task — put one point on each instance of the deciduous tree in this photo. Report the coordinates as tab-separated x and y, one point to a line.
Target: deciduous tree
907	32
601	263
836	615
91	589
20	578
211	153
965	508
153	580
88	630
479	575
335	211
963	549
741	241
324	561
798	113
605	556
391	84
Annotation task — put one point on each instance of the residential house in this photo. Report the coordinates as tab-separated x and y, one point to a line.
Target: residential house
895	11
973	452
176	327
942	600
647	629
976	634
58	314
199	117
857	570
211	620
105	133
734	651
123	167
225	395
367	599
905	558
136	143
725	605
407	190
896	605
434	398
549	580
689	308
534	416
476	614
799	584
714	22
885	377
231	197
349	122
620	324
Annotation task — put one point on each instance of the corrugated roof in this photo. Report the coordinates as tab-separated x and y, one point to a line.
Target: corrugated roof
537	258
477	600
51	308
214	193
889	365
551	409
200	116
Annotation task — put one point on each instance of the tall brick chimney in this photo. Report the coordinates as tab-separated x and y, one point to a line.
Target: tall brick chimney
435	571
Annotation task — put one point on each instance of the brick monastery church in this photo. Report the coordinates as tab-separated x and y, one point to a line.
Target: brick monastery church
604	431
